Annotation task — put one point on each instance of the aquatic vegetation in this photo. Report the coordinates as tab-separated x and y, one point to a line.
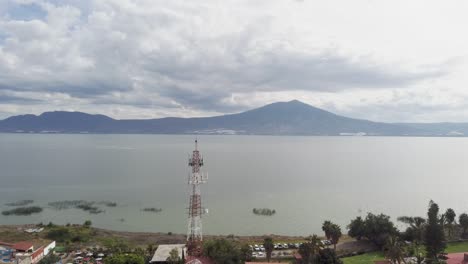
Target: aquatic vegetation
61	205
109	203
89	208
77	204
264	211
152	209
20	203
23	211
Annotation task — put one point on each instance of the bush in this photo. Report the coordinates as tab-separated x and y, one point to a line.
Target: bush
376	228
125	259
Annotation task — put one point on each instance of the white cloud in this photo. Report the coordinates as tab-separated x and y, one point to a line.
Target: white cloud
380	60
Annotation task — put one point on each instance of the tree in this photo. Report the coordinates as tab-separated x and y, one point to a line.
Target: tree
246	253
415	231
125	259
376	228
310	249
357	228
174	257
434	234
335	234
328	256
87	223
326	228
395	250
269	246
50	259
222	251
463	221
450	220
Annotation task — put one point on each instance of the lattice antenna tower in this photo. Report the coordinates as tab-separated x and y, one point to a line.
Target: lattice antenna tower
195	210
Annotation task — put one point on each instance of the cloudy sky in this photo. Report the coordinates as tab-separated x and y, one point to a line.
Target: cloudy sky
379	60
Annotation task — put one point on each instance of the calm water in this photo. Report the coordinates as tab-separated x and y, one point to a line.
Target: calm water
306	179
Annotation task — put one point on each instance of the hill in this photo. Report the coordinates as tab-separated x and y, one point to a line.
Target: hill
281	118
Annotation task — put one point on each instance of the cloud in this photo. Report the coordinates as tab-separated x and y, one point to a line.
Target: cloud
185	55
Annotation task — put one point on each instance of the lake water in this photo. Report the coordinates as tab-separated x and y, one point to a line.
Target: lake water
305	179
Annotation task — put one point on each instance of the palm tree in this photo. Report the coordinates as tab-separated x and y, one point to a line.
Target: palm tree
450	220
416	224
326	228
268	245
335	234
394	250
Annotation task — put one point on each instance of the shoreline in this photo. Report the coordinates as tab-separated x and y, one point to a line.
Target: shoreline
144	238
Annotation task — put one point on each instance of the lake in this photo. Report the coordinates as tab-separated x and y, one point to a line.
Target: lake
305	179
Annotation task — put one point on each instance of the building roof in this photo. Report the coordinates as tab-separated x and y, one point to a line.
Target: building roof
457	258
37	253
162	253
23	246
5	244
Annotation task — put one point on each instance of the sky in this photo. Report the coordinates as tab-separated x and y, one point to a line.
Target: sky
392	61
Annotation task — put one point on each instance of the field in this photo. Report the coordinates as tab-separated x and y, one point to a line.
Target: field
369	258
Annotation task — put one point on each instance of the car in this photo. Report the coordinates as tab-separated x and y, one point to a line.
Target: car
261	254
285	246
280	246
256	248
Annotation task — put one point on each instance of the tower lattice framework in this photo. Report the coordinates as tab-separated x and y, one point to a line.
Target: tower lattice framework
196	178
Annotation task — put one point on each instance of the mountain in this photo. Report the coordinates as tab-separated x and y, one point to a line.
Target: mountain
282	118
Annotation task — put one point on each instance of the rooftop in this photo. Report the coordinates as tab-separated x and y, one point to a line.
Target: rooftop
23	246
162	253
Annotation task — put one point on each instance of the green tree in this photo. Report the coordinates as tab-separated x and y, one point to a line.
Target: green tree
124	259
269	246
222	251
395	250
335	234
434	234
87	223
357	228
463	221
59	234
326	227
450	220
116	245
376	228
174	257
328	256
415	231
50	259
246	253
310	249
150	248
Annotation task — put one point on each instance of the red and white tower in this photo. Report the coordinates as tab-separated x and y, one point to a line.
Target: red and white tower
196	178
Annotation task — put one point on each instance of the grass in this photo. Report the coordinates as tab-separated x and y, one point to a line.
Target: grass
457	247
369	258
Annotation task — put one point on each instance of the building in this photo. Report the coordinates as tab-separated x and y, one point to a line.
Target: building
163	252
23	252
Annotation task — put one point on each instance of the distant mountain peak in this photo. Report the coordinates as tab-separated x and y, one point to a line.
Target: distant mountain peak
281	118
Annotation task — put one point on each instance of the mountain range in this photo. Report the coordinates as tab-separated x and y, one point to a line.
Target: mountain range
281	118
